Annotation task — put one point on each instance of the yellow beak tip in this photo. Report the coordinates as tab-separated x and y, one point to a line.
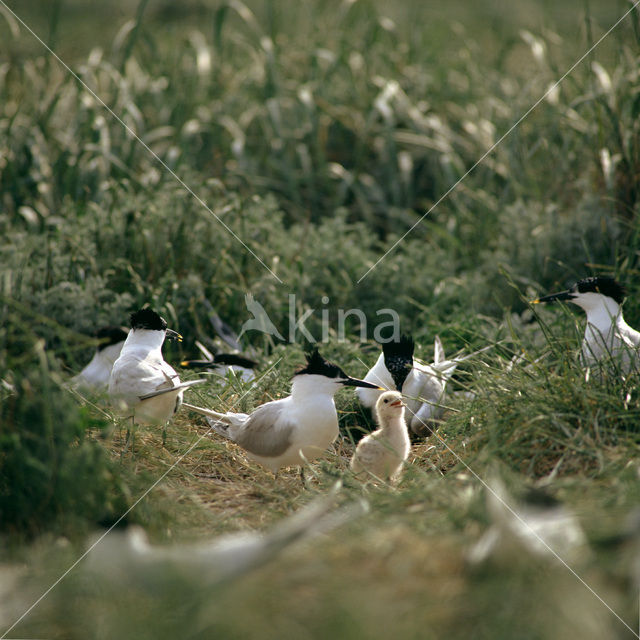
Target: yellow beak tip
184	363
536	301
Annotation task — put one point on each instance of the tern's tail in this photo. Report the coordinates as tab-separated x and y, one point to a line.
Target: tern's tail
446	368
175	389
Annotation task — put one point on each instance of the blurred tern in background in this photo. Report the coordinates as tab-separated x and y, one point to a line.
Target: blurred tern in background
221	363
95	376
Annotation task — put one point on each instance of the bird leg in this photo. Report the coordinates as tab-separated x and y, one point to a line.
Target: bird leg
302	478
129	438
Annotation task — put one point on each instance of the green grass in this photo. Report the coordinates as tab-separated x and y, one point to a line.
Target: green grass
318	133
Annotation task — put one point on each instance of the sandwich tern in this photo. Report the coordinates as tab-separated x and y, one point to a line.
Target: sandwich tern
383	452
295	429
142	385
221	363
95	376
606	335
422	385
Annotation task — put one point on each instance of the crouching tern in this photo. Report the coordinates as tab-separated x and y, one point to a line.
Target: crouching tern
295	429
142	385
422	385
222	363
95	376
383	452
607	335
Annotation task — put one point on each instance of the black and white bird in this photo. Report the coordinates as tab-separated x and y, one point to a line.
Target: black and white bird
607	335
383	453
295	429
95	376
422	385
142	385
220	364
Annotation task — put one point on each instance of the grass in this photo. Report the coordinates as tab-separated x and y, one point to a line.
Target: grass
318	134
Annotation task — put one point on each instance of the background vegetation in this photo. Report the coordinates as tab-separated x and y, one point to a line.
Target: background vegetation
318	133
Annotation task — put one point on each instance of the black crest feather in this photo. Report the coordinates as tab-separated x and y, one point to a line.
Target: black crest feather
605	285
318	366
403	348
148	319
398	358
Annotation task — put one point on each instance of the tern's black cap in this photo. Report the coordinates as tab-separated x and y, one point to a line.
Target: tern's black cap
148	319
605	285
318	366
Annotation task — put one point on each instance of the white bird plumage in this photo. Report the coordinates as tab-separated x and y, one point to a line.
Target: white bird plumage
128	557
383	453
142	385
295	429
607	335
95	375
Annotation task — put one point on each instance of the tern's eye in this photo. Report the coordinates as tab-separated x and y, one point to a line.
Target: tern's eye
386	401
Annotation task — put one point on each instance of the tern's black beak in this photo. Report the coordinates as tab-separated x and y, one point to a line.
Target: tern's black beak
563	295
354	382
173	335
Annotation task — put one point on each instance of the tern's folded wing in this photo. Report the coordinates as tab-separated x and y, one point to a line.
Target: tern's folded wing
265	433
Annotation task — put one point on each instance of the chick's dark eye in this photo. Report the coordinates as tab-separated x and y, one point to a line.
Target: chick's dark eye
386	401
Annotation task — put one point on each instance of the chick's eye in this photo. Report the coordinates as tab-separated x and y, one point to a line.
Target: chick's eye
386	401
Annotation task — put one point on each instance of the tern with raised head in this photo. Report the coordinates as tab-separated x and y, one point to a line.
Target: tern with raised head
422	385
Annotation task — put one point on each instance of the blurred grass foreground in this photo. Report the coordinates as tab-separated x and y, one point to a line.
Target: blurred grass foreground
319	133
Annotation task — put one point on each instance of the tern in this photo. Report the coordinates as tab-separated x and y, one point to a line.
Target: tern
607	335
142	385
295	429
221	363
539	525
126	557
383	452
422	385
95	376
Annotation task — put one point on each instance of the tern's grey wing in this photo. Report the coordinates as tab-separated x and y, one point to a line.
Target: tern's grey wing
265	433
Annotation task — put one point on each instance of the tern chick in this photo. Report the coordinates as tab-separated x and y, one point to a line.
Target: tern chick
383	452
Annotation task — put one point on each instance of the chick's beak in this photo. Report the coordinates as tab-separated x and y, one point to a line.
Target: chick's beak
173	335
